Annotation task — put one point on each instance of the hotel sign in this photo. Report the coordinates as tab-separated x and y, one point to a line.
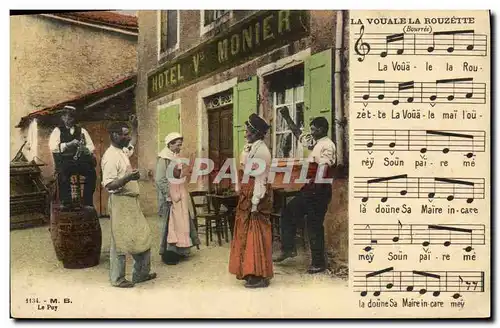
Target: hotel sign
250	38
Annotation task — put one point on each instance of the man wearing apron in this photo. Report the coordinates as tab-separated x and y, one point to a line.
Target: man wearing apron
130	232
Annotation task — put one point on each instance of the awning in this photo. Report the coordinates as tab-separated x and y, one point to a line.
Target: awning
86	101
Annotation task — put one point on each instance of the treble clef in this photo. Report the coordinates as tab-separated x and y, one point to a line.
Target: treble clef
362	48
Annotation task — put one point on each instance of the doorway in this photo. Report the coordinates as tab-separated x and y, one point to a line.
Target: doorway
220	143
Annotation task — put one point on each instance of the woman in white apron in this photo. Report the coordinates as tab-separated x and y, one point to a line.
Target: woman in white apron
178	233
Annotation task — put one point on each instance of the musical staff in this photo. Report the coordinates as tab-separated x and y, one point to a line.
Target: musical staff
419	152
446	91
440	43
402	186
423	141
419	234
436	282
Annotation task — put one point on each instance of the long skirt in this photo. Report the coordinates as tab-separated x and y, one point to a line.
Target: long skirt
251	247
170	252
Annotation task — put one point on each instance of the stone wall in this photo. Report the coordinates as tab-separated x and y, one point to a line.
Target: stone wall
54	61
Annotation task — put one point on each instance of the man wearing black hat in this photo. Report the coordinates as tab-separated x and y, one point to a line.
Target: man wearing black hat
314	197
73	150
251	247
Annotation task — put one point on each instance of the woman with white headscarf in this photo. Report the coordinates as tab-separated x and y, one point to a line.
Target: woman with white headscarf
178	233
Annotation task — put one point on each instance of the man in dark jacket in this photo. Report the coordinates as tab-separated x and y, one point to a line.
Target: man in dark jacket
73	150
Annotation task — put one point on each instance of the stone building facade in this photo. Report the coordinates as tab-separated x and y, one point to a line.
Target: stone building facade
59	57
202	72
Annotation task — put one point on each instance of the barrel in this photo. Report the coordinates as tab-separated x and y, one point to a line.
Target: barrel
79	238
54	235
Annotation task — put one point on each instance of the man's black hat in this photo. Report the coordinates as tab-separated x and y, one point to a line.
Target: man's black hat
256	123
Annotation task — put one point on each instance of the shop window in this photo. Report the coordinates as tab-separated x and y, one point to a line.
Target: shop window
287	89
169	39
212	18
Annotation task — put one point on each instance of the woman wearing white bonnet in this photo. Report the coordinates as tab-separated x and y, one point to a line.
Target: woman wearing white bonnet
178	233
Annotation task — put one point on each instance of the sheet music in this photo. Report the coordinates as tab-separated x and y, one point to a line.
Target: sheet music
419	176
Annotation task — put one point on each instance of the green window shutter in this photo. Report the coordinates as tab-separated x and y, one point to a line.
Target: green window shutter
168	121
244	104
318	88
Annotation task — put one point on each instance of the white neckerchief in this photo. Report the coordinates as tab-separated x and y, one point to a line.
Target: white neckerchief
167	153
253	148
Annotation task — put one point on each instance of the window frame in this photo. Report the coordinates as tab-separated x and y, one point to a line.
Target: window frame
292	106
205	29
161	24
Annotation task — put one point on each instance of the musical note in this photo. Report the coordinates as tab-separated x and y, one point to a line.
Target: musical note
422	141
410	288
422	282
376	84
451	47
392	39
433	96
396	238
393	143
403	192
450	229
427	241
432	194
455	182
470	46
456	91
428	275
469	248
390	284
405	86
361	48
370	144
449	135
420	234
456	295
367	194
378	273
430	188
460	282
372	241
448	242
449	43
386	180
451	96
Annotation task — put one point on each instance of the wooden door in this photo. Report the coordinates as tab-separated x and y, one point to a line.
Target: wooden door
98	134
220	123
226	133
213	138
